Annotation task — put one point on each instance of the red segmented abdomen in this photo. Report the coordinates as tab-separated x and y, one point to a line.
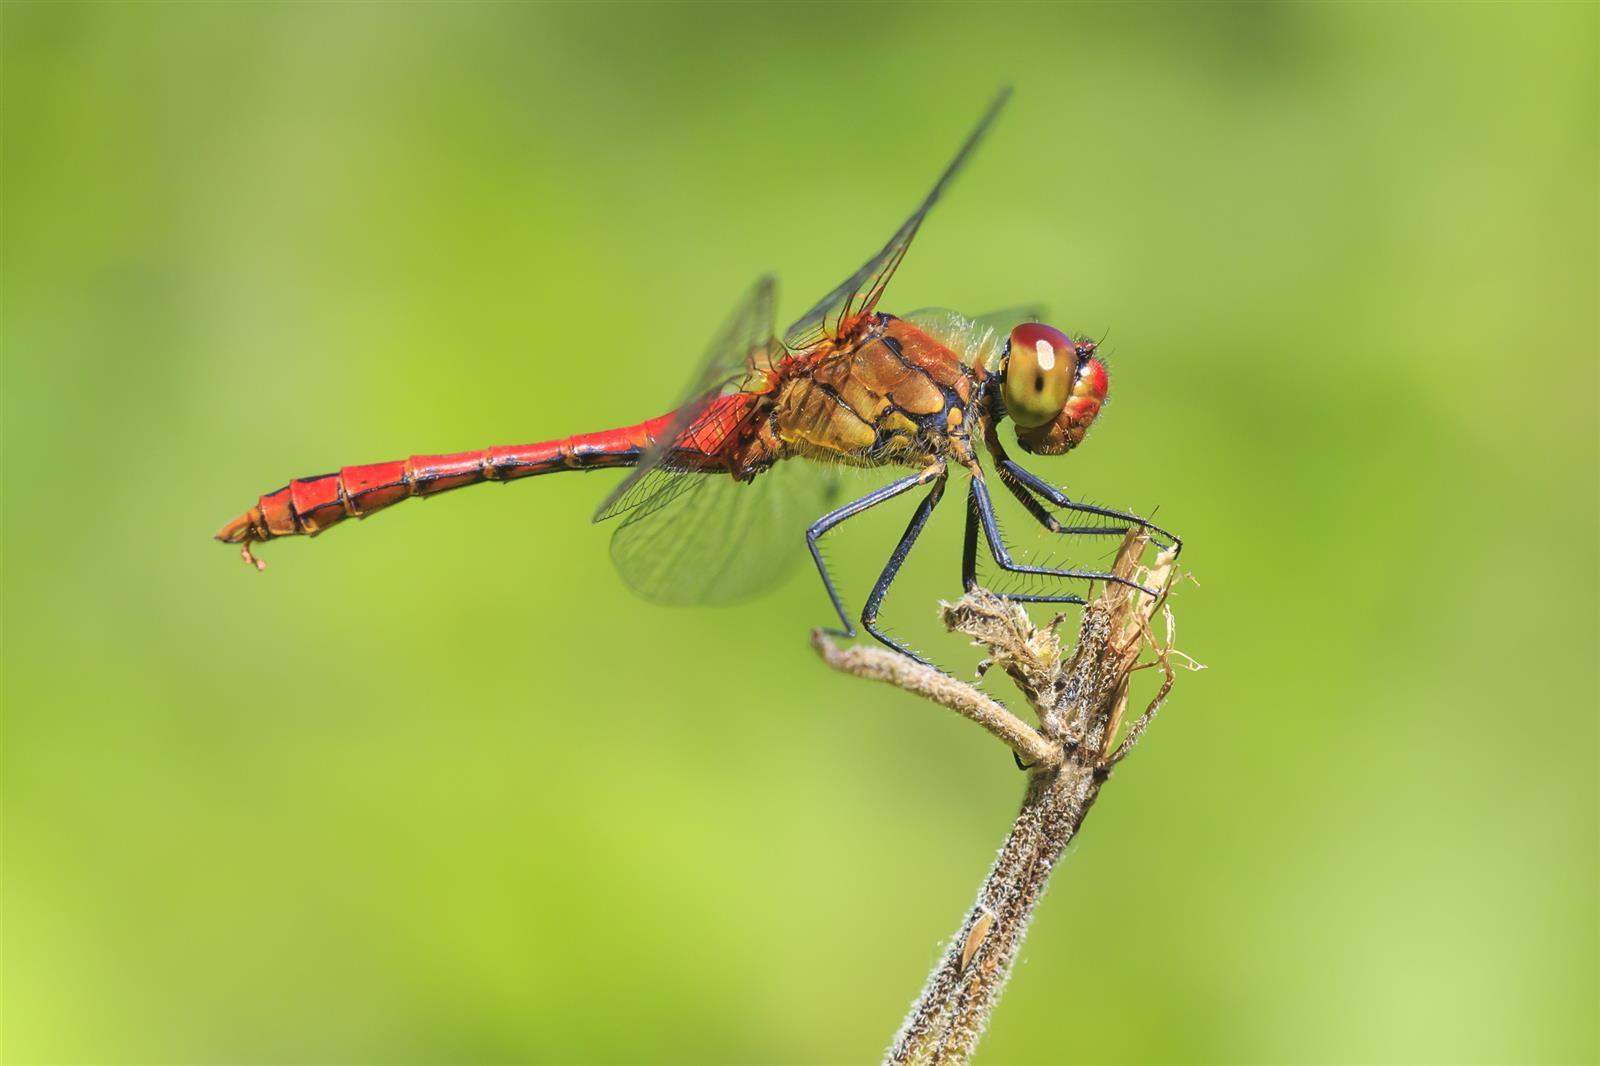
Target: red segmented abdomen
310	505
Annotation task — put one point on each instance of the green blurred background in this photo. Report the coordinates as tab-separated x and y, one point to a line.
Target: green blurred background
439	789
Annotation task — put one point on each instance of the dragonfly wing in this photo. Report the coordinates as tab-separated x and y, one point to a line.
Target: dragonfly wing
942	322
976	341
745	344
1006	319
706	538
859	293
692	536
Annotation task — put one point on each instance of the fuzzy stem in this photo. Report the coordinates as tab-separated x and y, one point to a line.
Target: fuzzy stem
881	664
948	1018
1079	699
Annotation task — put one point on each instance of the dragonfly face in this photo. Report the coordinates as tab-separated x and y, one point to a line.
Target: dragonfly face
1053	387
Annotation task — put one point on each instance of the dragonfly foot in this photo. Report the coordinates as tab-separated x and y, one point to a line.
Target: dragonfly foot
248	556
894	645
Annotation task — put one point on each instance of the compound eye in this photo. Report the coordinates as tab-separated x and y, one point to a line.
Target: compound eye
1039	373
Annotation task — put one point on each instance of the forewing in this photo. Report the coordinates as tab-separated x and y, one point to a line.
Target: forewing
745	344
707	538
860	292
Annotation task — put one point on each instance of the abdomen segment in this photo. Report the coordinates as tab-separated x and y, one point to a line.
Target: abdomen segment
310	505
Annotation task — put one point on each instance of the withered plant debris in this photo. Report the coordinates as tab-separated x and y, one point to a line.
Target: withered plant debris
1079	699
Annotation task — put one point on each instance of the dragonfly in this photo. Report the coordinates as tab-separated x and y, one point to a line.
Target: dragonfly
754	449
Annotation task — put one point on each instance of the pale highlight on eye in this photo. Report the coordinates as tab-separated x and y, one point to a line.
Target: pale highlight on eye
1046	353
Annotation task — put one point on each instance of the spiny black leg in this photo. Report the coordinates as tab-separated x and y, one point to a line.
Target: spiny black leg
1033	597
850	510
869	614
1009	469
1049	522
1002	555
969	561
969	546
1030	502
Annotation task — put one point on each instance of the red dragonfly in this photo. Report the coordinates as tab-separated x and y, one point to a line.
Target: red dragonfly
720	482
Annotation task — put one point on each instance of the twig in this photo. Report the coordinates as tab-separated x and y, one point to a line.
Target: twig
1079	699
881	664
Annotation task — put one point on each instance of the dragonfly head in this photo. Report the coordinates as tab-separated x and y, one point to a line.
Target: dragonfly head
1053	386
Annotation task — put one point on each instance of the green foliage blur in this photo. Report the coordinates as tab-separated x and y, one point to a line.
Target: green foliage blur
438	789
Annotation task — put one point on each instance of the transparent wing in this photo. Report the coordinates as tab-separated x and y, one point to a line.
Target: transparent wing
941	321
993	332
978	340
859	293
744	345
706	538
1006	319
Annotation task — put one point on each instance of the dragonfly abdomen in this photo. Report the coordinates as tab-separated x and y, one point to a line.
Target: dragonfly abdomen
307	506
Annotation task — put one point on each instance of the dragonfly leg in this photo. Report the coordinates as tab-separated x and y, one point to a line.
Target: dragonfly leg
969	561
869	614
969	546
983	505
1031	504
1022	481
850	510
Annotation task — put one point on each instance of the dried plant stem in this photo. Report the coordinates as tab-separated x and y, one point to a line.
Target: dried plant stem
950	1015
1079	699
881	664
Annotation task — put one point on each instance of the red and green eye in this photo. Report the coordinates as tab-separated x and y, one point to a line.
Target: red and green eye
1040	369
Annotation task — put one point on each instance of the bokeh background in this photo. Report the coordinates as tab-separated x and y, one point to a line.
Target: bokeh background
438	789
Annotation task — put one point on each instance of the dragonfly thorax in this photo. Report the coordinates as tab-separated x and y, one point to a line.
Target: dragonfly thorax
893	394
